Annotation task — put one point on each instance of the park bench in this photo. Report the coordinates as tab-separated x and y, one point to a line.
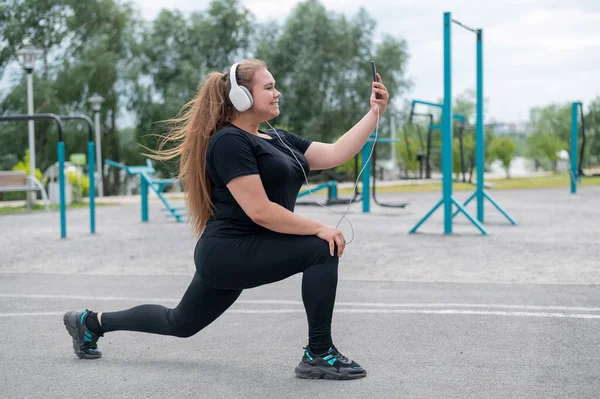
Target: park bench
18	181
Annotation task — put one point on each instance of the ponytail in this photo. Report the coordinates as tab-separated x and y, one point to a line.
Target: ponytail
198	120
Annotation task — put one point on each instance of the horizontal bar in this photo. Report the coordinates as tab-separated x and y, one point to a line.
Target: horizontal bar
426	103
37	117
473	127
459	117
82	118
383	140
464	26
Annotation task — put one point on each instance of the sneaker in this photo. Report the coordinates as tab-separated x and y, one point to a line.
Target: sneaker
330	366
84	341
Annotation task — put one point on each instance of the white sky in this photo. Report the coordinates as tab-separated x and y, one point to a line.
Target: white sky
535	51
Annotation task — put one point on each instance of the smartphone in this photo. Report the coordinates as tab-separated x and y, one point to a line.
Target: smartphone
377	96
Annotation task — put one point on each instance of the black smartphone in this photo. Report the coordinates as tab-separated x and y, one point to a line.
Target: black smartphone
377	96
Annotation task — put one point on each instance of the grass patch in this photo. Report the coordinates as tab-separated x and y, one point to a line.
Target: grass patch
520	183
9	210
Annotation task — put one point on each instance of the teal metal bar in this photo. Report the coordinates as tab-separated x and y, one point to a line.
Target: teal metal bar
146	183
414	102
506	215
383	140
414	229
480	193
366	176
447	118
465	204
144	195
459	117
317	188
91	168
574	137
447	127
333	189
479	132
468	216
60	150
157	185
91	165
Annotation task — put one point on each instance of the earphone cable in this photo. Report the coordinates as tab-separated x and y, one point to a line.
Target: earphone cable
355	184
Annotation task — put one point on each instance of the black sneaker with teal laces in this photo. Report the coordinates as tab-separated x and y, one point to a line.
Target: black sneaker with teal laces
331	365
84	341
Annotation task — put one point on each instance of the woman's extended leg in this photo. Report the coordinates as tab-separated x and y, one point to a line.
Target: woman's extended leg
199	307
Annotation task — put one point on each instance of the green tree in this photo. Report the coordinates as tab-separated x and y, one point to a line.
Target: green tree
545	147
503	149
174	55
592	130
553	119
321	62
85	46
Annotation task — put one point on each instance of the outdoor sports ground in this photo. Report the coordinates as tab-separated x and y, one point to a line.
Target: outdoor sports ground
514	314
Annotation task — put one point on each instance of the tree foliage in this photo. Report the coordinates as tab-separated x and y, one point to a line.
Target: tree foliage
503	149
147	70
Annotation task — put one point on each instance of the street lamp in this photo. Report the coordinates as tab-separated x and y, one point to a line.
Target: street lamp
28	56
96	101
393	137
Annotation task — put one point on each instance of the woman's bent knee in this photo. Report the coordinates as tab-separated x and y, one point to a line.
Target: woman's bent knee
180	327
184	332
323	254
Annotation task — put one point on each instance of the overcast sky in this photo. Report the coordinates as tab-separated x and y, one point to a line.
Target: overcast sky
535	51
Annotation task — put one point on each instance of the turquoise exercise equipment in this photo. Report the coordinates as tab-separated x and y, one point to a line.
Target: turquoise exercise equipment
576	171
147	181
60	150
369	168
447	199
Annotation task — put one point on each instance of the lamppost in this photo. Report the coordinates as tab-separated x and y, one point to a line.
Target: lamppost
393	137
28	56
96	101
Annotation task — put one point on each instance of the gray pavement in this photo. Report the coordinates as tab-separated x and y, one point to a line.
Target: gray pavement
515	314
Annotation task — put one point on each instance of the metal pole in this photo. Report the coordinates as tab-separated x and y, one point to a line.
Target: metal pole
447	128
479	133
574	147
393	137
366	176
99	155
144	195
31	195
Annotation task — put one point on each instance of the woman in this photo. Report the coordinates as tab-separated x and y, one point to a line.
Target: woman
242	184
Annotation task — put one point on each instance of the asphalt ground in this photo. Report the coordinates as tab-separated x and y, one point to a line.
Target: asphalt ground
514	314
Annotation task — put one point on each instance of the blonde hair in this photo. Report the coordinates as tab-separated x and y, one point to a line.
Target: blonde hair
198	120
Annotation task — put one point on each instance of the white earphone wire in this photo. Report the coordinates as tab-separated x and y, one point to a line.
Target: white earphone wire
365	163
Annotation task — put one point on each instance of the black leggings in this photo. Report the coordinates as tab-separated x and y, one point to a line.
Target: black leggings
226	266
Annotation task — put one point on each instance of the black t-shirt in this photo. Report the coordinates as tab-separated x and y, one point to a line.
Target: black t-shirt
233	152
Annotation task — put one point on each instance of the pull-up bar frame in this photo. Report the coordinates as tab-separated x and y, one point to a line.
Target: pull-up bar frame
447	199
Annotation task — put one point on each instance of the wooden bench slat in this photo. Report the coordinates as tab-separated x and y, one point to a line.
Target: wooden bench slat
13	179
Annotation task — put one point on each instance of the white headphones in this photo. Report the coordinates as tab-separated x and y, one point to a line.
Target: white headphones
239	95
